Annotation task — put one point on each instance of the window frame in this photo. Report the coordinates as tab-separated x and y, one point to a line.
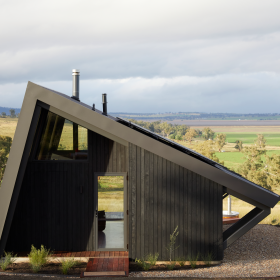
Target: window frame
38	136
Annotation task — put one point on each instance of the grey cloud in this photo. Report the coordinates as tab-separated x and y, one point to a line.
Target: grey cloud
115	61
237	93
145	50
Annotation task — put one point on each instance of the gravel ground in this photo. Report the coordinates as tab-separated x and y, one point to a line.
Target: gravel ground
255	254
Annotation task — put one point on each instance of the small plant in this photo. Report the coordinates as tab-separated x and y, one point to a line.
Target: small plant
171	247
171	266
67	264
38	258
208	258
152	259
193	260
7	260
274	221
181	261
143	264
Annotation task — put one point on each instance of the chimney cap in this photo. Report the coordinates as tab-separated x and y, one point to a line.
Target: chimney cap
75	72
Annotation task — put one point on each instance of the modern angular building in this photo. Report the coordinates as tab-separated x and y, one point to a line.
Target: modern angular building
78	179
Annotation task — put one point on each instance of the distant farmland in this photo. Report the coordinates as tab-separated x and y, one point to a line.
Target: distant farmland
205	123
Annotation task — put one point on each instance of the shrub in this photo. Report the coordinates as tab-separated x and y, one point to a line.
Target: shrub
171	246
67	264
152	259
207	258
181	261
38	258
171	266
172	136
193	260
143	264
7	260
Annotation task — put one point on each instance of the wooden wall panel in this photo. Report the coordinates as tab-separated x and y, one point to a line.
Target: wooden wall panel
164	195
56	203
53	211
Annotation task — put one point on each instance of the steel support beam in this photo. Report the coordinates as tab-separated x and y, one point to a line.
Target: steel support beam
250	220
244	225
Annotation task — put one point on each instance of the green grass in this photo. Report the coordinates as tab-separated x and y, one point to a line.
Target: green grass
234	159
273	139
110	193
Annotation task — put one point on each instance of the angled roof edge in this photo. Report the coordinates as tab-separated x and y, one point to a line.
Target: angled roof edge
83	115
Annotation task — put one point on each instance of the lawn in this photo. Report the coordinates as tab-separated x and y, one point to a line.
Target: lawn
234	159
273	139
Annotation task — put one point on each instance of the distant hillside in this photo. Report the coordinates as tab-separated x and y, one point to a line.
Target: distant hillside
7	110
170	116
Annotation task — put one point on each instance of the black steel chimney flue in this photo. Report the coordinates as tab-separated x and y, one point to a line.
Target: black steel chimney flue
104	101
76	84
93	107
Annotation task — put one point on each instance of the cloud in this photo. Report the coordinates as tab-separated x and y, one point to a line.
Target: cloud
155	47
236	93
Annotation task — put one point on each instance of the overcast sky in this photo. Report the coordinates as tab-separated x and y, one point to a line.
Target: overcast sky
147	55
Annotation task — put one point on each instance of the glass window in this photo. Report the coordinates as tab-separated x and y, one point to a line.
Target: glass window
62	140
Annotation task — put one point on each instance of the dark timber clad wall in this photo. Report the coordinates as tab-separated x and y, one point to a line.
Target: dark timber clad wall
51	209
164	195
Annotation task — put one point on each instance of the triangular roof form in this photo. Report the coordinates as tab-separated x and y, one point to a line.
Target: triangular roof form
123	132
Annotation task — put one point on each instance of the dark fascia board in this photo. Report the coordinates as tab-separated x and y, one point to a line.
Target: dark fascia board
83	115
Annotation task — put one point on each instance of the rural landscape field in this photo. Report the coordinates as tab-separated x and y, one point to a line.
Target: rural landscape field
229	155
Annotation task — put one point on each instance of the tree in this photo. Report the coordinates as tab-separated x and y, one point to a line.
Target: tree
4	114
12	113
238	145
260	141
272	168
206	149
253	168
181	129
208	133
220	141
190	134
166	128
5	146
198	132
178	137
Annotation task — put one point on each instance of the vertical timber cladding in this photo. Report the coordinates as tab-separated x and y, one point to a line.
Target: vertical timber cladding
56	202
164	195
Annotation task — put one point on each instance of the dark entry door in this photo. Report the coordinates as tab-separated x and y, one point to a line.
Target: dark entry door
111	211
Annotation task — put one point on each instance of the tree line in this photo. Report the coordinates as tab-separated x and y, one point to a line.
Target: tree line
12	114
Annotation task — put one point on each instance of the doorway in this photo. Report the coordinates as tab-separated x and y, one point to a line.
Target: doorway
111	211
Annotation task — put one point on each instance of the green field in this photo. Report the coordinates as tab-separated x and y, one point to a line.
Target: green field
273	139
110	193
234	159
